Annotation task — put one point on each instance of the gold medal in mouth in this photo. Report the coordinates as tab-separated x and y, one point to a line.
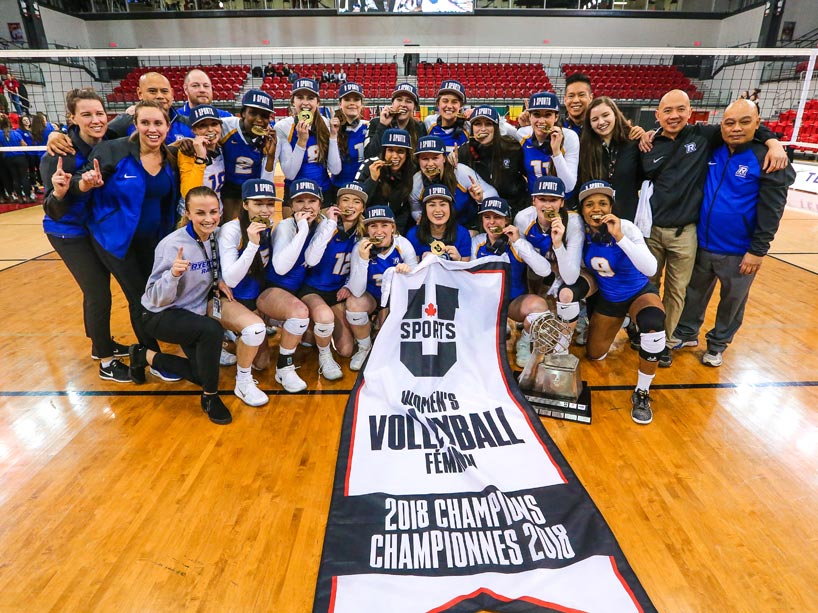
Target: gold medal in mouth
259	219
550	214
437	247
258	130
496	230
376	240
432	172
348	211
211	136
596	217
305	116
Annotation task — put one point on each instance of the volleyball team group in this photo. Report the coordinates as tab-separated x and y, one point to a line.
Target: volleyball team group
177	204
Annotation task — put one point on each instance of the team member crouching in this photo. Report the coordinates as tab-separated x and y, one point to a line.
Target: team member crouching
501	237
183	288
616	253
438	232
381	249
558	235
324	290
244	250
285	276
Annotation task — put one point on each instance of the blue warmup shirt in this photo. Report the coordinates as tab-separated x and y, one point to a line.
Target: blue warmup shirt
462	242
618	279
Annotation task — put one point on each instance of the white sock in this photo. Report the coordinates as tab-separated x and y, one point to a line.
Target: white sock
325	350
106	363
643	382
285	351
243	374
364	343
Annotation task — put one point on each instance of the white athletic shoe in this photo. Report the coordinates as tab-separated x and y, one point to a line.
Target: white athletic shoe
289	380
523	351
328	367
357	360
712	358
226	358
249	393
229	335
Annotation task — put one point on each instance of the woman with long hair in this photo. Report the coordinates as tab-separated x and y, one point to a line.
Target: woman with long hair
438	232
135	191
449	124
399	115
607	152
307	142
64	224
388	178
352	133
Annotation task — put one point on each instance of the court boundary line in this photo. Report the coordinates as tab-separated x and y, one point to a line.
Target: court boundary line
277	392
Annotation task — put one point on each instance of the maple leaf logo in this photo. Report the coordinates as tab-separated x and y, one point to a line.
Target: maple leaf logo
430	310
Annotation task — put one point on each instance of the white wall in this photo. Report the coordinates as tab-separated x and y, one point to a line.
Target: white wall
9	13
63	29
804	13
393	30
741	28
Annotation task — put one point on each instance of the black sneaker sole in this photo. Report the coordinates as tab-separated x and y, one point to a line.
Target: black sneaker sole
114	379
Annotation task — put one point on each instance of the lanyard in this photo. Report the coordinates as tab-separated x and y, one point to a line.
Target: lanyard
214	261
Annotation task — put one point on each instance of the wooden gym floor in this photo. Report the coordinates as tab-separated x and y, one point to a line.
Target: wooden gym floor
122	498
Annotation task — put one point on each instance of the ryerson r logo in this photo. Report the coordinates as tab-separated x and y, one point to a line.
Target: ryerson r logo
437	328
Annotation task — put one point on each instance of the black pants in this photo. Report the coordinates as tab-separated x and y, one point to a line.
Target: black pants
199	336
132	273
16	180
94	280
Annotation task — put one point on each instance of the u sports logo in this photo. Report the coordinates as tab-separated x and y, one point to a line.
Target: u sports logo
428	335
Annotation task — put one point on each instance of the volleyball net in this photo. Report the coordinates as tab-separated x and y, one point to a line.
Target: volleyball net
783	80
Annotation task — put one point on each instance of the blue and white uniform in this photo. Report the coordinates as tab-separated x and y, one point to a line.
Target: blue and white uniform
538	159
351	158
465	208
521	254
236	260
242	161
302	163
462	242
287	268
328	257
366	275
568	258
621	269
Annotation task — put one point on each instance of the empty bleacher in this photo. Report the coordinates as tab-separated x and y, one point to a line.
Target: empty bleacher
485	81
378	80
227	81
808	132
634	81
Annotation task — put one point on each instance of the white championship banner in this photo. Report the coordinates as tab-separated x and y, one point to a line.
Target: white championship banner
449	495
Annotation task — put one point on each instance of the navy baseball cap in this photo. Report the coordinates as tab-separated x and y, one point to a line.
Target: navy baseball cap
201	112
437	190
308	85
544	101
253	189
394	137
549	186
431	144
354	188
378	213
487	112
450	86
406	88
305	186
494	205
595	187
350	88
258	100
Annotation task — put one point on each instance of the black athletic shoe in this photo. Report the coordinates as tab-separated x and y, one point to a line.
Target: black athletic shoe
215	409
666	359
641	412
120	351
115	371
139	360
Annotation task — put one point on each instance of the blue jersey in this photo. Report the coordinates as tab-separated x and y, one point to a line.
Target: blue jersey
311	168
378	266
250	286
518	267
541	241
72	224
451	137
241	160
351	158
330	274
537	160
462	242
618	279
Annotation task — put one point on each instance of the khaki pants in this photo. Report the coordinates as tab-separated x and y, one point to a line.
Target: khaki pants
676	257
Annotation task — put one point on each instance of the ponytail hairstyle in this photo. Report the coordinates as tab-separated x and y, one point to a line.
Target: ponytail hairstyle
151	104
199	190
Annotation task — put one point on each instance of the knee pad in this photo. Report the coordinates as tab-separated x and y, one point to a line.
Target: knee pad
323	330
254	334
579	290
652	345
358	318
568	311
651	318
532	317
296	325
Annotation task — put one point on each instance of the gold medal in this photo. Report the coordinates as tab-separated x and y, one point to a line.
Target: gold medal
305	116
376	240
258	130
437	247
550	213
259	219
496	230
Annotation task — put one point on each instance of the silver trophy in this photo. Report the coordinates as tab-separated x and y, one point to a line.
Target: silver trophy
552	380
